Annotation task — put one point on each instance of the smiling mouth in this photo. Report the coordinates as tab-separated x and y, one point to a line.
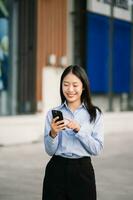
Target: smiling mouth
70	95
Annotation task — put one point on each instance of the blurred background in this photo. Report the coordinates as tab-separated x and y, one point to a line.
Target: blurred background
38	39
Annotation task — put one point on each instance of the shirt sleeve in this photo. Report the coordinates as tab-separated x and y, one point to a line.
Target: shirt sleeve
50	143
91	135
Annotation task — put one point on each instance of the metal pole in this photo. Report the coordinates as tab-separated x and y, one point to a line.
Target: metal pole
110	71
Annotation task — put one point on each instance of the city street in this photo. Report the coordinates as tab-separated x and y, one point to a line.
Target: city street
22	169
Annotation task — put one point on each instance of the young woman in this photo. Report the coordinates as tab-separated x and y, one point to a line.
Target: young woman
72	141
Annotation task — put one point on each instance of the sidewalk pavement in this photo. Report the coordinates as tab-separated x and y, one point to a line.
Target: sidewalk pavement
22	166
29	128
22	169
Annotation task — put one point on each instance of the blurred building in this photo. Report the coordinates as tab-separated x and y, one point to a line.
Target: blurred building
35	34
109	49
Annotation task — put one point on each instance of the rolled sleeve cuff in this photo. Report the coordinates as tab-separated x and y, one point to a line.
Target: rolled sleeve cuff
52	140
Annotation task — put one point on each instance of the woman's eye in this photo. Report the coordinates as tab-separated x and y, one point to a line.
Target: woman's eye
75	85
65	85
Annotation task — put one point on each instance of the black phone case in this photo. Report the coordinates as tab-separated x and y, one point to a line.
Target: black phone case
58	113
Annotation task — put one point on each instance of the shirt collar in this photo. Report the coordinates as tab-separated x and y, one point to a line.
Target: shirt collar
62	105
65	105
83	104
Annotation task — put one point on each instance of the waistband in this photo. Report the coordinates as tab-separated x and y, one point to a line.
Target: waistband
63	160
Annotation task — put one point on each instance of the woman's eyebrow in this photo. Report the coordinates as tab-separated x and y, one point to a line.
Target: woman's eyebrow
72	82
66	81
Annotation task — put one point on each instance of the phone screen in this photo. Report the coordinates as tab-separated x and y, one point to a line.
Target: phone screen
58	113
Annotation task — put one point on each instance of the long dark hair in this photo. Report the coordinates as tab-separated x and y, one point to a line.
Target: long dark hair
86	96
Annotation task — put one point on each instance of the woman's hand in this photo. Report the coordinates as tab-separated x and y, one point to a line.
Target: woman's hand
56	127
73	125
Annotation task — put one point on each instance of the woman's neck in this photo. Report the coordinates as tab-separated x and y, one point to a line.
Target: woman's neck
73	105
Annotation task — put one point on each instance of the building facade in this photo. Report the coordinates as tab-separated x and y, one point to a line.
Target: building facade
35	34
102	35
31	32
109	41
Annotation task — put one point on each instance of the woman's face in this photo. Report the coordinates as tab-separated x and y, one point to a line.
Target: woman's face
72	88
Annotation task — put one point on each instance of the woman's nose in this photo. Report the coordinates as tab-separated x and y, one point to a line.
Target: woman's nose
70	88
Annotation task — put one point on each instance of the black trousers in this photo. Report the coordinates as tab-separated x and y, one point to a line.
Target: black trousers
69	179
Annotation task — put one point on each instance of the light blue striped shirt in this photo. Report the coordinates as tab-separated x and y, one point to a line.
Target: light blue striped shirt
88	141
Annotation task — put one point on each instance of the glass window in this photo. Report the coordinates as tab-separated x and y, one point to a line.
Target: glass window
4	55
118	3
122	4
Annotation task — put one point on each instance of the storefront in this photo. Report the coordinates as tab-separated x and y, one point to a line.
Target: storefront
30	32
4	56
17	57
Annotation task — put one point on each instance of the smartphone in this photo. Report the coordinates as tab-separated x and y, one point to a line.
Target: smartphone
58	113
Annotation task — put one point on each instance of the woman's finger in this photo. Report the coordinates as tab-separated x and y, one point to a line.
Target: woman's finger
54	119
61	126
60	122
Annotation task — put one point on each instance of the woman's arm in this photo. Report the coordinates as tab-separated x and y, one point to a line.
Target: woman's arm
91	135
51	143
